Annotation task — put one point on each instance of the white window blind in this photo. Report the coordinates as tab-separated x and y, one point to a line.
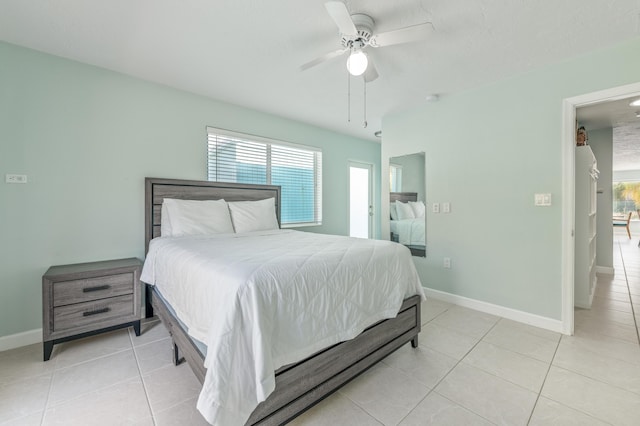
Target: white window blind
240	158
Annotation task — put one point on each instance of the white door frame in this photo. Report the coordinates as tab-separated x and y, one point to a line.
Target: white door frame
368	166
569	106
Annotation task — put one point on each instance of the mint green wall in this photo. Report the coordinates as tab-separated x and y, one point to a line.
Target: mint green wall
488	151
86	137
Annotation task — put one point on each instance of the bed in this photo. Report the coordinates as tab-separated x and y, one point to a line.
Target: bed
409	231
301	383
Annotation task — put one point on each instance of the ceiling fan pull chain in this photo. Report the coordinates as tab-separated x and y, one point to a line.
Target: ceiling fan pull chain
364	124
348	98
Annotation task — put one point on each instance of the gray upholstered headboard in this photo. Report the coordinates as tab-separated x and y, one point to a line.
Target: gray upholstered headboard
156	190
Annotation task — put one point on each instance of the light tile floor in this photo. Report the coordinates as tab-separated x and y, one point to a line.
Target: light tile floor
471	368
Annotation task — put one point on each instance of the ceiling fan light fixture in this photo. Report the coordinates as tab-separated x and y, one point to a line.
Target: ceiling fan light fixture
357	63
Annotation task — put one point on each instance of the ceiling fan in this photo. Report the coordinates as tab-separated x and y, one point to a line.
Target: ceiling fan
357	34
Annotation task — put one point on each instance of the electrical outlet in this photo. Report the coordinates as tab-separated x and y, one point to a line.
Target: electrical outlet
11	178
447	263
446	207
435	207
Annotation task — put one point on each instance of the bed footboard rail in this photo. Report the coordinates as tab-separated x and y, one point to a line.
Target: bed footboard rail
301	385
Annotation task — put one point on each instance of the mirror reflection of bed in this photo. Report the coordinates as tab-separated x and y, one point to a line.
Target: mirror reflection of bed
407	230
407	202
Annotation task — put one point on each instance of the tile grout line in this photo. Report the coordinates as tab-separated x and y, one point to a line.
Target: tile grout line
144	385
434	386
558	402
419	402
474	346
338	391
458	363
462	359
535	404
453	368
539	393
77	397
46	403
626	278
86	361
578	373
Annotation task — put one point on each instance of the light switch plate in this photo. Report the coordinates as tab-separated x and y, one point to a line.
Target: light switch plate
446	207
542	200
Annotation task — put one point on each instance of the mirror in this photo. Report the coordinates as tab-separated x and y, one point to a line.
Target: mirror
407	202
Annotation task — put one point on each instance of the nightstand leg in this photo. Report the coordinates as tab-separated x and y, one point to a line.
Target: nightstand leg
47	348
136	327
414	342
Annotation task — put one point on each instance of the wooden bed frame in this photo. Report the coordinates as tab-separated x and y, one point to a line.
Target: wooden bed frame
301	385
405	197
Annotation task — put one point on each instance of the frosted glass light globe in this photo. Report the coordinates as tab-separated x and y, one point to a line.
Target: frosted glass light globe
357	63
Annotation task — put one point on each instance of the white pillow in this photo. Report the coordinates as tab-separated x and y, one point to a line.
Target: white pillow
404	211
165	222
393	211
197	217
250	216
418	208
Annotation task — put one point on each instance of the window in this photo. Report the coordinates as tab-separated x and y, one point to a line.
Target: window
395	178
240	158
626	197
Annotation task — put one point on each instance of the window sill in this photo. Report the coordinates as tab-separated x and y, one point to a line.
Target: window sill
299	225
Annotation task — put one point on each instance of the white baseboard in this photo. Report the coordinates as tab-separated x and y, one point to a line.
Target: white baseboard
501	311
608	270
35	336
20	339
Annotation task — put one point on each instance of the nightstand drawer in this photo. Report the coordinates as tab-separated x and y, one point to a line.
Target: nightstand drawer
84	314
88	289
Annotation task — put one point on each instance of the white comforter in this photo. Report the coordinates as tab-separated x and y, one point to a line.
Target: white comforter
262	300
410	231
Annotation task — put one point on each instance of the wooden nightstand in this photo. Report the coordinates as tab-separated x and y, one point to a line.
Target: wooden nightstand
88	298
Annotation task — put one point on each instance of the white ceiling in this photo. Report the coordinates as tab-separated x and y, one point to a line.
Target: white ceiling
248	52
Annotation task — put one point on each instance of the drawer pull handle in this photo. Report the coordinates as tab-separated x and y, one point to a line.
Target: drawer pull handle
96	288
96	312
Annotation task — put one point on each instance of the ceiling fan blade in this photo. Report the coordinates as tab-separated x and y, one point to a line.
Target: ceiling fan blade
322	59
403	35
371	73
340	15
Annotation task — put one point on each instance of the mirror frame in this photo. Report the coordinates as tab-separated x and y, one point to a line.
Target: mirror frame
409	194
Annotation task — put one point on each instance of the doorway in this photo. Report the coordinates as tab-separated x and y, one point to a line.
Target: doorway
568	188
360	199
